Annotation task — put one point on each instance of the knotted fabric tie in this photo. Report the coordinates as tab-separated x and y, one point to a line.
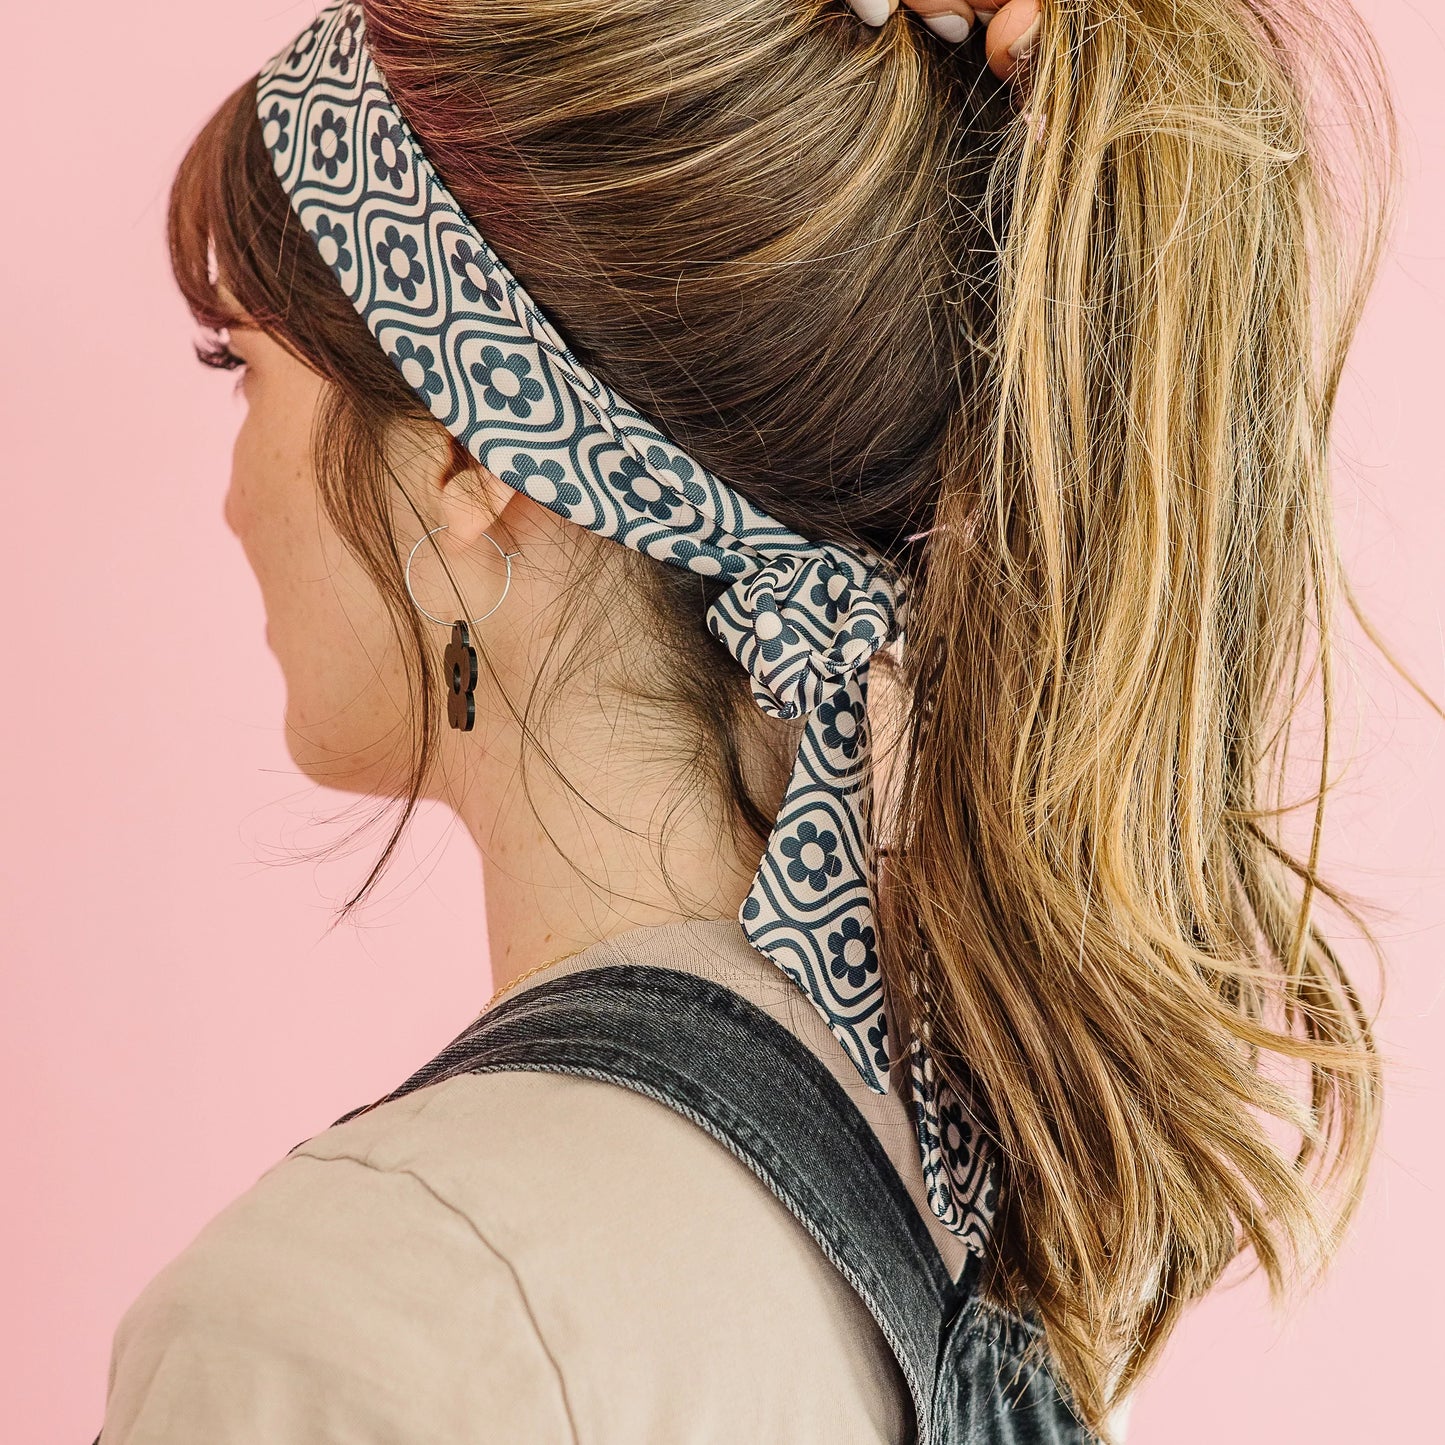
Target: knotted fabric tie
801	623
803	617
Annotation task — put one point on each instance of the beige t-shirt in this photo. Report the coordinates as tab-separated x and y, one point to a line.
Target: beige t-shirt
523	1257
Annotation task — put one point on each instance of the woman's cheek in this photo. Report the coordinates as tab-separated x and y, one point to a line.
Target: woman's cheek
269	467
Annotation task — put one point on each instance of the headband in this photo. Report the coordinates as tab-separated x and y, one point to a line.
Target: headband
802	617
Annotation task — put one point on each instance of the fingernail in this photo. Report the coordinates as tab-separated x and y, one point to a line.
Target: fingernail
952	28
872	12
1026	42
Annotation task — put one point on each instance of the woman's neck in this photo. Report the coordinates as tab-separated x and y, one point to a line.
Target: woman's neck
619	841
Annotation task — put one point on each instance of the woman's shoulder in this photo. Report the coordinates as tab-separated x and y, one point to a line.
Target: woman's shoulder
332	1299
521	1241
634	1235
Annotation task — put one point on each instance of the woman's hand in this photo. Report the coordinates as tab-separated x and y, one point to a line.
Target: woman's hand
1013	25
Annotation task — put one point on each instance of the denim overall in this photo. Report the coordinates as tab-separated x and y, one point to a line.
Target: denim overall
977	1374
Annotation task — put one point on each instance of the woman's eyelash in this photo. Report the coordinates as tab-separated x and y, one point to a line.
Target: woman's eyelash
217	354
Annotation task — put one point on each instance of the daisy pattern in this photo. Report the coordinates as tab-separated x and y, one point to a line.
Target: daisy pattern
813	856
401	270
346	44
389	159
417	363
841	726
830	595
304	43
682	469
544	481
705	559
771	628
640	490
506	381
330	241
328	137
274	126
478	278
857	642
851	953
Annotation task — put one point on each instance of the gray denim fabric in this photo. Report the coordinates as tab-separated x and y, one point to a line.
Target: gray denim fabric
977	1374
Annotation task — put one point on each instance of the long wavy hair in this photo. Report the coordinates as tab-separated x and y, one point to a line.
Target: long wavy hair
1085	335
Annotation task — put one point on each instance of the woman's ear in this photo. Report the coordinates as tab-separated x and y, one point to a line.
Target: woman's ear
469	497
444	482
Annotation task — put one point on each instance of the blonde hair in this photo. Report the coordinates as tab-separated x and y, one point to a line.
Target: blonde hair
1118	940
1088	337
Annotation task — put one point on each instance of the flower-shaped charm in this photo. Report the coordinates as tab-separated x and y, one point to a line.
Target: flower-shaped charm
460	662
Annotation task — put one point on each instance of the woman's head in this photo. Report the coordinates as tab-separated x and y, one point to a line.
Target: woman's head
1085	338
660	321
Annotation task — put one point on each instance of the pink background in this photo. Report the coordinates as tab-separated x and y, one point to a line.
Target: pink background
176	1018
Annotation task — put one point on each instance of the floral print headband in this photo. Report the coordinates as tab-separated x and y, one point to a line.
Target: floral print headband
802	617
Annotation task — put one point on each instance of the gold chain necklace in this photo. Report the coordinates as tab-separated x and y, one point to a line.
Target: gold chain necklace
522	977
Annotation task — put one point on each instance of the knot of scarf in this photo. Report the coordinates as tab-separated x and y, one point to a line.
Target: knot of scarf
802	621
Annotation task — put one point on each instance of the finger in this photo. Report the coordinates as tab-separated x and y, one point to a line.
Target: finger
1012	34
950	20
873	12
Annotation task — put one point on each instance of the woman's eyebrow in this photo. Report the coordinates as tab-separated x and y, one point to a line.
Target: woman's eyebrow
235	315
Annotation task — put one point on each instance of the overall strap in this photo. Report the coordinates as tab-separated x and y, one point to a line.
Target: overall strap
737	1073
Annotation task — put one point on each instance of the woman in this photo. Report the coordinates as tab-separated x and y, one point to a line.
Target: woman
1011	399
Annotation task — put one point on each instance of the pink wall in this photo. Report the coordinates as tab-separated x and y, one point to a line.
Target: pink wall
174	1018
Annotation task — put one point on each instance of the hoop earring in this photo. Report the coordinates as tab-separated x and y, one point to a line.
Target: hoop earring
460	659
441	621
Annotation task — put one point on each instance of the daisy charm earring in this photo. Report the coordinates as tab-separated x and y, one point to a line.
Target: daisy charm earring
460	658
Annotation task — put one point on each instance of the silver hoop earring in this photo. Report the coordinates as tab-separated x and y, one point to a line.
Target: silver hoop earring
440	621
460	659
